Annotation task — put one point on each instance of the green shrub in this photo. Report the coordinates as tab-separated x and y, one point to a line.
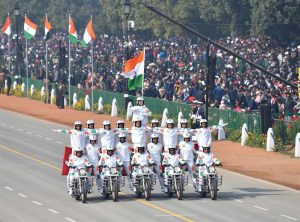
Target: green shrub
255	140
36	95
234	135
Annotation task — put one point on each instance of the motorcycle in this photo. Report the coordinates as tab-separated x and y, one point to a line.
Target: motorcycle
144	180
112	181
80	185
210	180
175	180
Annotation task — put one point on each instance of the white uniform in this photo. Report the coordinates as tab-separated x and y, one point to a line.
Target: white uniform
107	137
170	137
110	161
207	159
203	136
181	132
138	135
157	131
141	112
155	151
90	132
142	160
77	138
117	131
78	162
93	155
123	152
187	152
173	160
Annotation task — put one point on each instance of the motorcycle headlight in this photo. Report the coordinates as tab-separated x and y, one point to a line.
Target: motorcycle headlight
177	169
113	171
82	172
146	170
211	169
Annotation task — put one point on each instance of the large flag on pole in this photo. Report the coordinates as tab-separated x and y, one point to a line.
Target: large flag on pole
88	34
134	70
72	31
7	26
29	28
48	27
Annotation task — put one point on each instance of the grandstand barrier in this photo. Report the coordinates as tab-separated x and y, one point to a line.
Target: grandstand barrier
235	120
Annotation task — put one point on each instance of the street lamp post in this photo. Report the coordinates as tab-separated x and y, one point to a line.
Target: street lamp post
127	11
17	14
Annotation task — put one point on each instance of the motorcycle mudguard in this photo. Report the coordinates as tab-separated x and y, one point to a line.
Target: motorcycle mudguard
65	168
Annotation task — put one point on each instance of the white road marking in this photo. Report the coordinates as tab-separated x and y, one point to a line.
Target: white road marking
22	195
20	130
3	124
53	211
9	188
38	135
237	200
168	215
48	139
11	127
59	142
261	208
37	203
29	132
291	218
70	219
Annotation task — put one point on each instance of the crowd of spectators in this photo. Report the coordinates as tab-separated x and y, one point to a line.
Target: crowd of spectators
175	68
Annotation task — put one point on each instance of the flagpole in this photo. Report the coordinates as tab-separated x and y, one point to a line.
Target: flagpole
143	75
69	69
8	42
46	83
92	60
26	43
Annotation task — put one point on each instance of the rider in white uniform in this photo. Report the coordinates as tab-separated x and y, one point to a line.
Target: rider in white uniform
124	152
155	129
141	111
107	135
92	152
138	133
155	149
170	135
203	135
76	161
187	152
109	159
120	129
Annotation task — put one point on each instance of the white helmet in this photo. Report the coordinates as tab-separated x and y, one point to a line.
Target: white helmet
154	121
77	123
205	144
170	147
120	122
170	121
203	121
77	149
137	119
154	135
93	137
122	135
186	135
106	122
90	121
183	121
140	145
140	98
110	148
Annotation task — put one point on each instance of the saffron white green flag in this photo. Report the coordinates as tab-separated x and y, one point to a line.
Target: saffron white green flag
134	70
72	31
88	34
29	28
7	26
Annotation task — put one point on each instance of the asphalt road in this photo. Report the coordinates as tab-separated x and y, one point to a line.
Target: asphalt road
32	188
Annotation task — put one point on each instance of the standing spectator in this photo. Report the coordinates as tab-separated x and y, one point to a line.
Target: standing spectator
218	93
2	81
8	82
61	94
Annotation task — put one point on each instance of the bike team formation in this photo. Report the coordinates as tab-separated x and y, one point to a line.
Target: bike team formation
104	155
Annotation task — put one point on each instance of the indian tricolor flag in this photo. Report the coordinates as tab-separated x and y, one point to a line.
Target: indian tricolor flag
72	31
29	28
7	26
133	70
88	34
48	27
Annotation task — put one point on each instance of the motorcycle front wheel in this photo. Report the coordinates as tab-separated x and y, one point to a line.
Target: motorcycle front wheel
84	192
179	191
147	189
213	189
115	190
